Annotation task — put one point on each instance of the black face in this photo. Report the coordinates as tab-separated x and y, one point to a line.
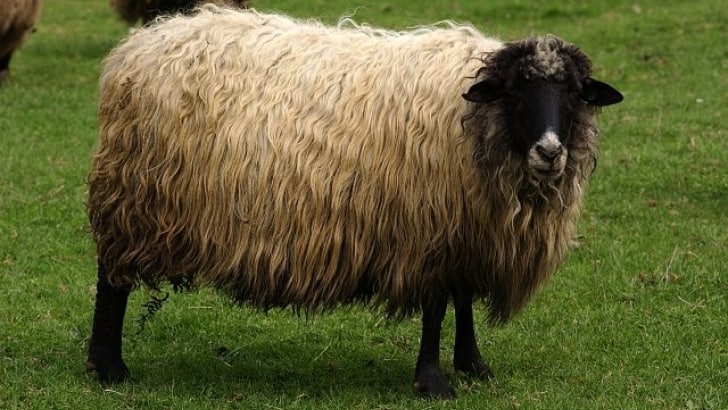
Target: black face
536	107
540	113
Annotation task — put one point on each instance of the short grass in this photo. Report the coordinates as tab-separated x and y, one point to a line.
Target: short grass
637	318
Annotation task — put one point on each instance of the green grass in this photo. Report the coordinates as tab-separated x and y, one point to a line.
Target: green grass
637	318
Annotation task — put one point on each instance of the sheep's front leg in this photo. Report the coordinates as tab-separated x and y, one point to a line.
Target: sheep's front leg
429	380
104	353
467	357
5	66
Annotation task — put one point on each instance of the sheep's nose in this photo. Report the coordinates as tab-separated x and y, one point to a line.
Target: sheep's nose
550	153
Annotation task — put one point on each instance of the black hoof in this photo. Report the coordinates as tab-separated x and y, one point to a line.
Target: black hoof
432	385
109	372
474	369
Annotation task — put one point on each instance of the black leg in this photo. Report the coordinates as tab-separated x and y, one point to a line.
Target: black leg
104	353
5	66
429	380
467	357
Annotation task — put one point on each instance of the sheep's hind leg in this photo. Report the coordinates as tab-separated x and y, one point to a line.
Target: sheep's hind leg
429	380
104	353
467	357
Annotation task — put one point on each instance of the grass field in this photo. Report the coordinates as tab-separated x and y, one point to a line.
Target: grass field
637	318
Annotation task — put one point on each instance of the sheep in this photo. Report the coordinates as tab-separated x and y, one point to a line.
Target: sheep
17	19
147	10
289	163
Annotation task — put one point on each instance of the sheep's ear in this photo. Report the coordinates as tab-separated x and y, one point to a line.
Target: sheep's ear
485	91
600	94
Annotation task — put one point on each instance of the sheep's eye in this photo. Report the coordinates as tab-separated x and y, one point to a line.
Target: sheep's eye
514	88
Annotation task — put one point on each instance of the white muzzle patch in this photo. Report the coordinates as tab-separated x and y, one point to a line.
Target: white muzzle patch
547	157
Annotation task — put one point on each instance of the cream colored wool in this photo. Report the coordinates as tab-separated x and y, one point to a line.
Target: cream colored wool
291	163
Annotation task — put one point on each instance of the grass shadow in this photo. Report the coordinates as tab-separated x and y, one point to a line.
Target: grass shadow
273	368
